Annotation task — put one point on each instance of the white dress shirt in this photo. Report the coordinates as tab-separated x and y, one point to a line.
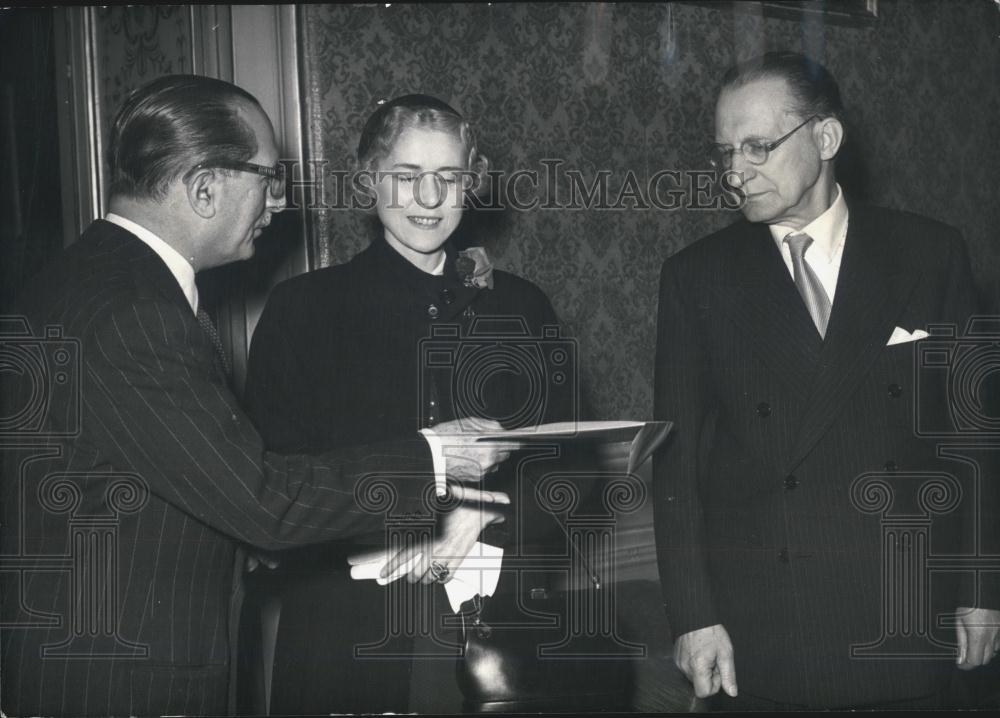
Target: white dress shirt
829	233
179	266
438	271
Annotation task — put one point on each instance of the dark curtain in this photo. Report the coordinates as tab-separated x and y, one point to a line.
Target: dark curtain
31	222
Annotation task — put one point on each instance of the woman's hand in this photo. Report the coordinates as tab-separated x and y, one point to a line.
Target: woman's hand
459	530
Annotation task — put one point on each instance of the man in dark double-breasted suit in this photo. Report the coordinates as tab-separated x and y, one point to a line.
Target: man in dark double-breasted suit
136	481
797	501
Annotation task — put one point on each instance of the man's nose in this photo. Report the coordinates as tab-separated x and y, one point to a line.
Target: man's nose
732	178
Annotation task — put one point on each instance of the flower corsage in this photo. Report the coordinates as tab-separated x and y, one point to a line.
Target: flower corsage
475	268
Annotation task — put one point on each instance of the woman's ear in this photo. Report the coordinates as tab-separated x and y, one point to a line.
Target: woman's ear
202	192
476	180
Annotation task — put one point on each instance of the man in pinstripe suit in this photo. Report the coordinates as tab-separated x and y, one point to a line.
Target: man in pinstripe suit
121	536
785	355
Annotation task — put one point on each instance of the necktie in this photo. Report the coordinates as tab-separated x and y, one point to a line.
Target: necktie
209	327
808	284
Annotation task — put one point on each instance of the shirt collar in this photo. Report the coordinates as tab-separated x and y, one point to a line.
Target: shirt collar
438	271
828	231
179	267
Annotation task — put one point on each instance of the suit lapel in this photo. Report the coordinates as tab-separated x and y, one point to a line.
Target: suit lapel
873	287
144	262
153	275
767	308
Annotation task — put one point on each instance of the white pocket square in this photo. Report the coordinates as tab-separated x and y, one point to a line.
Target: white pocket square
901	336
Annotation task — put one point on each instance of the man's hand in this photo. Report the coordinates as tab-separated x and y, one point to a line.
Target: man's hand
705	656
460	528
466	458
978	632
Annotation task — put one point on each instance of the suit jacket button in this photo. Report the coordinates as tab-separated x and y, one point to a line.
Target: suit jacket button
433	311
763	410
783	555
791	483
895	391
890	466
447	296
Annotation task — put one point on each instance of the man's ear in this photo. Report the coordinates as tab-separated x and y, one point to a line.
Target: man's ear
829	134
203	192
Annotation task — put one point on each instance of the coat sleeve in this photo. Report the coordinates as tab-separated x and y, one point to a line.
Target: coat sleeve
682	395
981	514
155	405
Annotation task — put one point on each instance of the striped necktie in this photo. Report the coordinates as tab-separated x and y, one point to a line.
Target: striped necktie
808	284
209	327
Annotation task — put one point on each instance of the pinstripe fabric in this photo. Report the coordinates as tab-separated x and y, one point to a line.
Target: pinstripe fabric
155	406
754	524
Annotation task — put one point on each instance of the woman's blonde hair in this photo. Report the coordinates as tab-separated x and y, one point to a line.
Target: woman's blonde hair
391	119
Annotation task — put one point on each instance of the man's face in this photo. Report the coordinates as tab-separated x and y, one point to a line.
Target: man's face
248	204
792	186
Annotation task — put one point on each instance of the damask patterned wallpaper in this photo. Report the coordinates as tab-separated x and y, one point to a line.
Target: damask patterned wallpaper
627	90
137	44
631	89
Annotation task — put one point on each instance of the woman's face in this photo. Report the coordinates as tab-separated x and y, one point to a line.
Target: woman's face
419	193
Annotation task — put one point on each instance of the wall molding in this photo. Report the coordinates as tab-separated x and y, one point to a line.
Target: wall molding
81	146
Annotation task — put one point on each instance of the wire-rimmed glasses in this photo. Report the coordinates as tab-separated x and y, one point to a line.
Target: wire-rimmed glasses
755	151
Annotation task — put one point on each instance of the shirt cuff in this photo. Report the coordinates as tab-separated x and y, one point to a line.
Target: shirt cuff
437	457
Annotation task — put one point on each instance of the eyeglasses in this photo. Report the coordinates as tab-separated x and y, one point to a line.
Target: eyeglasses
755	151
275	175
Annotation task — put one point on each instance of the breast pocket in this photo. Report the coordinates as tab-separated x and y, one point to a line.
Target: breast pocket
894	386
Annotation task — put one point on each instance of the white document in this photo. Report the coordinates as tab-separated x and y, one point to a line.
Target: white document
623	446
645	436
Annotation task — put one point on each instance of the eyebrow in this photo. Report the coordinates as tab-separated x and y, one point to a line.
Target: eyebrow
418	168
755	138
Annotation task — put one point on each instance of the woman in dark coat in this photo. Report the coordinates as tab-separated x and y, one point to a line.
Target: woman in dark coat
410	333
